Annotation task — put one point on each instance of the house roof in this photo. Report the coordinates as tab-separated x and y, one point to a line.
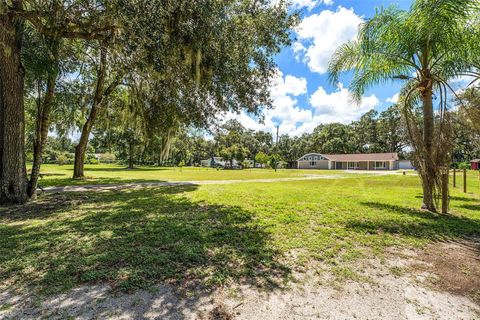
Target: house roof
475	160
311	154
393	156
363	157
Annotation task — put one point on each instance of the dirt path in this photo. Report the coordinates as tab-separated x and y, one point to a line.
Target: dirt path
135	185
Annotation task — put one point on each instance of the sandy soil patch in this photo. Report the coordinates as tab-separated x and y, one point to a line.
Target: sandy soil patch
421	284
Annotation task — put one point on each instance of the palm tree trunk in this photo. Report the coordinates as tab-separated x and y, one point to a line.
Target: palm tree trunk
13	175
428	177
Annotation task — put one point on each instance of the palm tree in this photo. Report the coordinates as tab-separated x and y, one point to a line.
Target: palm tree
425	47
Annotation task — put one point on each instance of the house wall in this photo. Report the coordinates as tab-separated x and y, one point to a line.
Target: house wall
475	165
320	164
363	165
340	165
393	165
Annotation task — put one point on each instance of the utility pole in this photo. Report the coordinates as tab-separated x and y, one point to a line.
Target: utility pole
275	152
276	140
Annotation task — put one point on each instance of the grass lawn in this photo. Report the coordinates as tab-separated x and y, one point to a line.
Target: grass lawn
214	234
55	175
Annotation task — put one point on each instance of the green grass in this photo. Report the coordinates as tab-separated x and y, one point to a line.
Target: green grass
215	234
55	175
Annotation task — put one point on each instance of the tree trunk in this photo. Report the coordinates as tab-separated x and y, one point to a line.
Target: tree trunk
130	156
80	149
13	175
428	178
43	124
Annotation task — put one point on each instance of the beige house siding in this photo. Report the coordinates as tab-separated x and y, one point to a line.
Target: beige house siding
363	165
319	164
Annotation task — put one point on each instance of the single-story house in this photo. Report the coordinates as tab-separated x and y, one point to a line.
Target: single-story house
359	161
475	164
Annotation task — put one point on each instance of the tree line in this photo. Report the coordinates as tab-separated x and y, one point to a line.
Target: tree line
374	132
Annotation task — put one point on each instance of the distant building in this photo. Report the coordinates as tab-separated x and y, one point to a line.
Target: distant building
475	164
359	161
405	165
214	162
220	162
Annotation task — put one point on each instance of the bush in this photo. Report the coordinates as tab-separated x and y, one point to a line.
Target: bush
107	157
464	165
29	156
246	164
61	159
92	161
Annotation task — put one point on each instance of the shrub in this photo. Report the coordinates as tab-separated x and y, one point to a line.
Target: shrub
464	165
107	157
61	159
29	156
92	161
246	164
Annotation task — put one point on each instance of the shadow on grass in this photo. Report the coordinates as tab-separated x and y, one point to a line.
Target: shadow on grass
424	225
90	180
132	239
455	198
465	199
472	207
91	168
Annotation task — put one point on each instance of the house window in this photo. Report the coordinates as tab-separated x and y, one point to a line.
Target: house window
313	163
352	165
380	165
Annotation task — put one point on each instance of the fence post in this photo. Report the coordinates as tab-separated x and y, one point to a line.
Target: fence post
465	180
454	177
445	190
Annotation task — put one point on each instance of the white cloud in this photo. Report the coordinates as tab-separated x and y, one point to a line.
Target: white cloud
286	112
308	4
338	105
295	120
320	34
394	98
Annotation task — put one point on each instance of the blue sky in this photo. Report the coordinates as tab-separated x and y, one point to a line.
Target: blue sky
302	96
